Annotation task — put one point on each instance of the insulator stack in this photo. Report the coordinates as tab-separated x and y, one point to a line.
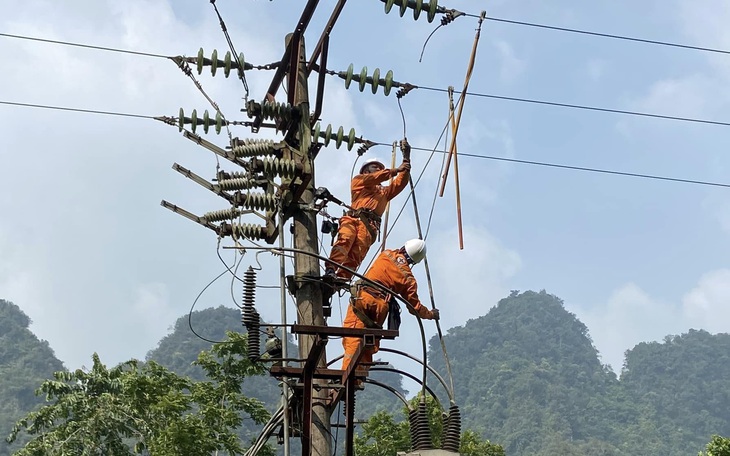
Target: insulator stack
224	214
420	431
339	136
272	167
249	287
451	440
258	201
249	230
252	322
206	121
363	79
418	6
252	147
214	63
271	110
240	183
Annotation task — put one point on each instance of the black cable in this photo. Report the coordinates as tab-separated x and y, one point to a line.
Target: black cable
603	35
486	157
581	168
241	71
190	314
61	108
88	46
482	95
588	108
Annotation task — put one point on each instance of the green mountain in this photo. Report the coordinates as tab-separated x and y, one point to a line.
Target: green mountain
25	362
528	377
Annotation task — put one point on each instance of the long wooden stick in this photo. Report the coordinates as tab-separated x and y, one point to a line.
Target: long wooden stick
470	68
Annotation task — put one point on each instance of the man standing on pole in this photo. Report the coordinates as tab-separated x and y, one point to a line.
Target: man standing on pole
359	227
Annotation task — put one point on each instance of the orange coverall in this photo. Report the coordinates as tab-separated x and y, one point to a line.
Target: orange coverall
390	269
354	239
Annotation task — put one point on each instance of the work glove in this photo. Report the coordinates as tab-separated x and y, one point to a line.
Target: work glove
405	148
404	167
435	314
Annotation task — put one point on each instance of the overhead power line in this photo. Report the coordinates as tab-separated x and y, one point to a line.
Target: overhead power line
482	157
604	35
82	45
581	168
63	108
584	107
437	89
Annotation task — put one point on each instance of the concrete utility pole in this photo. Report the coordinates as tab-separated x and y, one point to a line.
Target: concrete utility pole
308	293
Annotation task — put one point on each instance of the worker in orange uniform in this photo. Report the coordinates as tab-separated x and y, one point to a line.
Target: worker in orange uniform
359	227
369	306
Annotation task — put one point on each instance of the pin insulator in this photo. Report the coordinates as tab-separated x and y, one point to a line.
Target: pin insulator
229	62
363	79
417	6
206	122
339	136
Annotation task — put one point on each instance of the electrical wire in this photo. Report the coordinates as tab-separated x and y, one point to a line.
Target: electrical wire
484	157
63	108
603	35
583	107
241	72
87	46
593	170
190	314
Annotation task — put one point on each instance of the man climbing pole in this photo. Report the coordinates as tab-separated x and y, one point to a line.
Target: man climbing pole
359	227
370	306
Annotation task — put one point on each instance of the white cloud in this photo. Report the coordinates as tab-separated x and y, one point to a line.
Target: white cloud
629	316
706	305
511	67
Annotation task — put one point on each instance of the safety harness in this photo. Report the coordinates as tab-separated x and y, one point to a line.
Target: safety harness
369	218
394	319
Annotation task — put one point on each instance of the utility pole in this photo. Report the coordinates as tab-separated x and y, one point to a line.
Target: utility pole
308	293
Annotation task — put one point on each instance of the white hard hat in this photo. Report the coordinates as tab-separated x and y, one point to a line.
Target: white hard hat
370	161
416	250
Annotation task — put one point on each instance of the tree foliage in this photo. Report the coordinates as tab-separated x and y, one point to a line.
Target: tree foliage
25	362
718	446
137	408
382	435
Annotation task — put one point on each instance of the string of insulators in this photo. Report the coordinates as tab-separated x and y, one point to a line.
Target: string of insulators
419	429
251	147
223	214
363	79
418	6
248	230
339	136
238	183
451	440
229	62
271	110
250	318
258	201
272	167
218	122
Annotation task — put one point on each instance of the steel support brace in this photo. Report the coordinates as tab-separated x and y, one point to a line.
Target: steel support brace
320	82
350	416
325	36
308	377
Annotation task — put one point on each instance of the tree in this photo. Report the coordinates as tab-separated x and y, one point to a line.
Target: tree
718	446
143	408
383	436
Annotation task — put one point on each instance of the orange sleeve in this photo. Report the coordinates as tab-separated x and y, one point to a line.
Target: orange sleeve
362	181
397	186
410	293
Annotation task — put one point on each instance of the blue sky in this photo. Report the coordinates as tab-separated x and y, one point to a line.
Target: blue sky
88	253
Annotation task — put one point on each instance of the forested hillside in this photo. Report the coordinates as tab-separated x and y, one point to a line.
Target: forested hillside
528	377
25	362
